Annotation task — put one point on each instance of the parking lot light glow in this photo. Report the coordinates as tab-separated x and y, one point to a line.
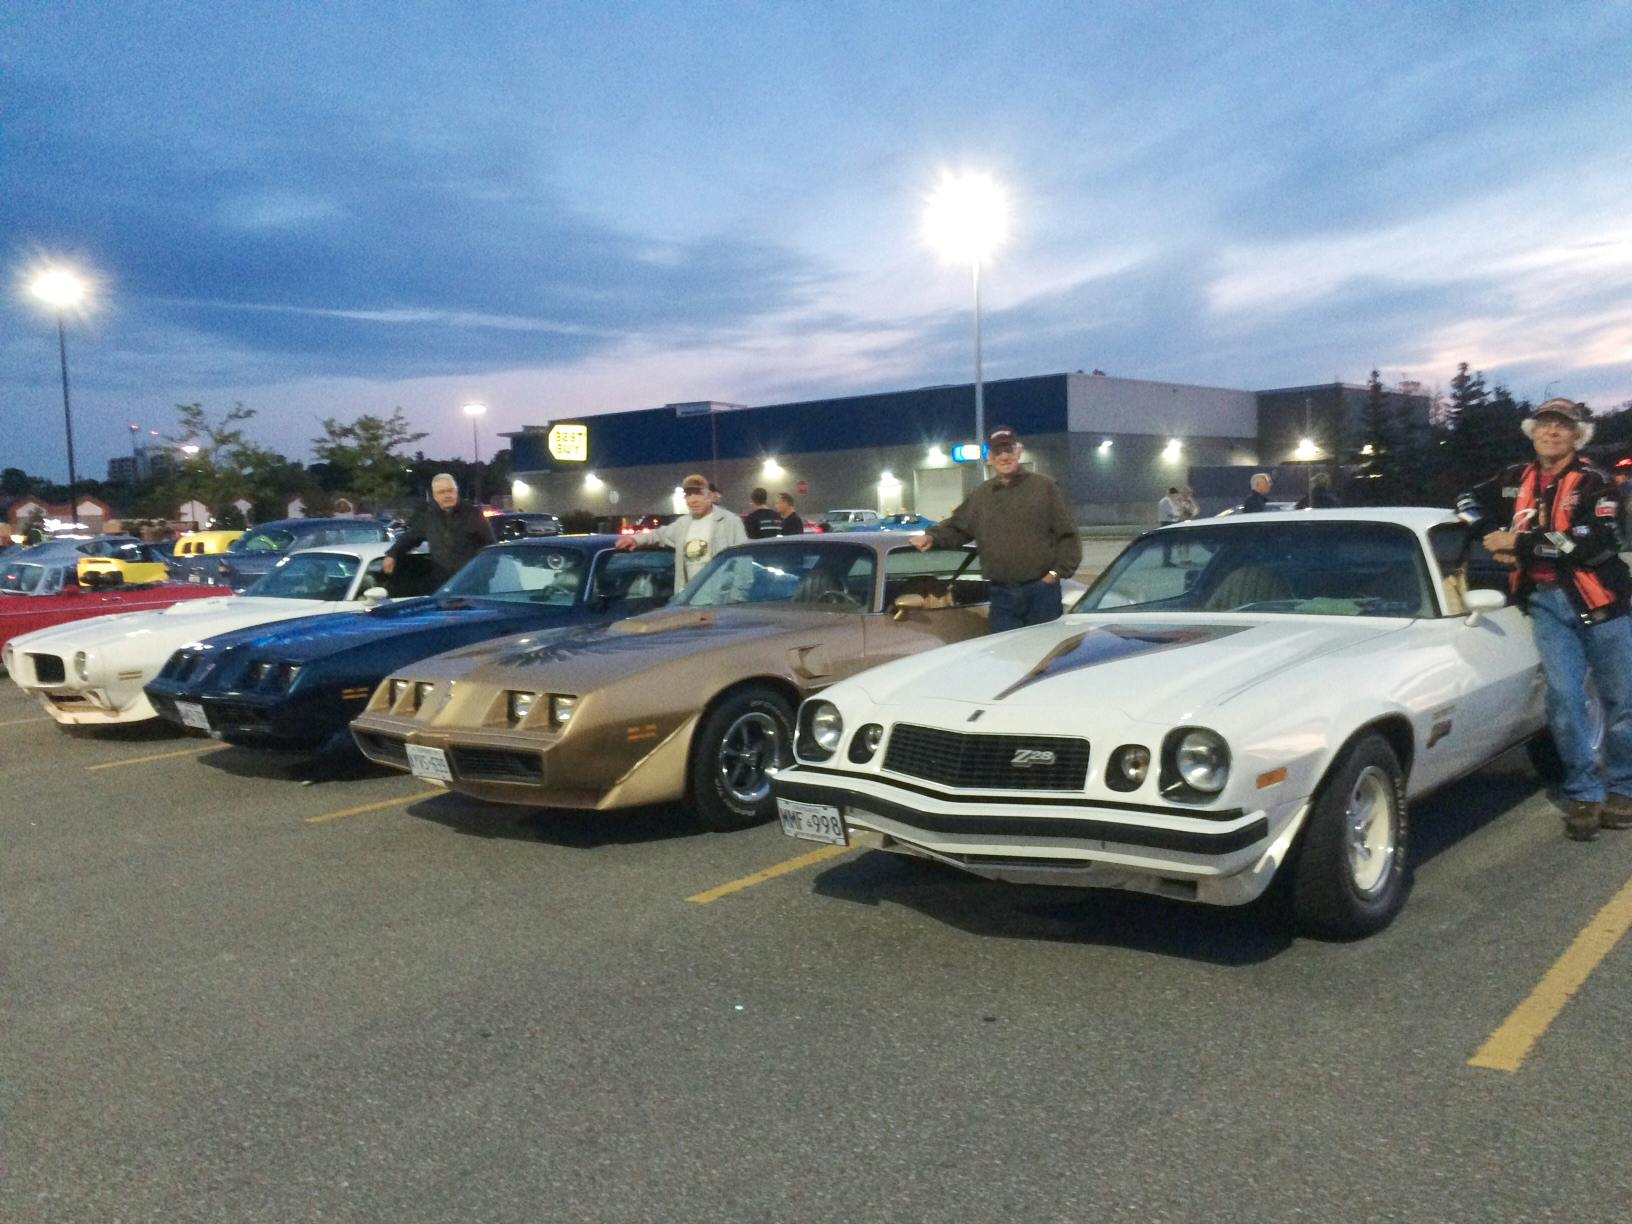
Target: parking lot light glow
1306	449
58	288
966	217
771	470
592	481
1173	449
1105	446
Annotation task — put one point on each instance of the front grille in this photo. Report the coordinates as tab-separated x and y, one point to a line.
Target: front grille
987	762
384	748
165	707
48	668
497	765
68	700
236	714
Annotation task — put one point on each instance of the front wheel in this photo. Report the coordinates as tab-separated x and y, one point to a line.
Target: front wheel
1352	871
738	743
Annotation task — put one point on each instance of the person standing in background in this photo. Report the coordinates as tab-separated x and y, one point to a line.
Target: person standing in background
792	524
761	520
697	536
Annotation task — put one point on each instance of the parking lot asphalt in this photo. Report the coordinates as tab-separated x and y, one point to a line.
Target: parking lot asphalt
239	988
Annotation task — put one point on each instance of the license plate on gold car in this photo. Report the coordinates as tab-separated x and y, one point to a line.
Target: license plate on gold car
818	822
429	763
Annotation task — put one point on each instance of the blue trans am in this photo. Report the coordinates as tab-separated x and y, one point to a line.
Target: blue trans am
297	685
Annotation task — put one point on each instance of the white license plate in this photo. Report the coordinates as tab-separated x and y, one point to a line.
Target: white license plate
193	577
192	715
819	822
428	762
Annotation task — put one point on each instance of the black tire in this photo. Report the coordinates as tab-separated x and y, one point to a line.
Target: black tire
1352	869
743	736
1544	758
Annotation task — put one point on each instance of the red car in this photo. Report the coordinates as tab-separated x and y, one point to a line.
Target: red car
40	588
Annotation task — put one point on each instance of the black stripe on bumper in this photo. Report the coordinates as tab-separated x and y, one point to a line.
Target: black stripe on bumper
1056	828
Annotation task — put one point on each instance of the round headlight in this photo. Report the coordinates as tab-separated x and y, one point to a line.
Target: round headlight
865	743
826	727
81	665
1130	766
1202	761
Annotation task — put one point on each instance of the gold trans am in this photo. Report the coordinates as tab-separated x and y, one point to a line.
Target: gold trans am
695	700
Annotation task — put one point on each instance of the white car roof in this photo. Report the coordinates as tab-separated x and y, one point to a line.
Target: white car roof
1417	518
364	550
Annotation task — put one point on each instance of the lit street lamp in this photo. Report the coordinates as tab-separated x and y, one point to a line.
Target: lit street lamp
967	218
474	411
62	290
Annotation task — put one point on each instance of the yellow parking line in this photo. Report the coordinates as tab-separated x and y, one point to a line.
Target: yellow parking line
367	807
1510	1045
158	756
770	873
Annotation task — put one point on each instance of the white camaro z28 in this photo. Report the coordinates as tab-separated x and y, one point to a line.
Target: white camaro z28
1233	698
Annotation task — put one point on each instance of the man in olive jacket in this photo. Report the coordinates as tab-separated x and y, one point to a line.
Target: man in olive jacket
454	531
1026	533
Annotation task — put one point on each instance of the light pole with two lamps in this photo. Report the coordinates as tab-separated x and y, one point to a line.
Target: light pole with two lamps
967	218
62	290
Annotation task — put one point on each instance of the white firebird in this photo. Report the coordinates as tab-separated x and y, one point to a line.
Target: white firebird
1233	700
92	671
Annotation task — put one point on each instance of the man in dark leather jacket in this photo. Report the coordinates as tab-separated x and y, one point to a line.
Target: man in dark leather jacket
454	531
1555	520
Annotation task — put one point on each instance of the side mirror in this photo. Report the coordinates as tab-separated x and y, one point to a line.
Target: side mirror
375	594
1480	601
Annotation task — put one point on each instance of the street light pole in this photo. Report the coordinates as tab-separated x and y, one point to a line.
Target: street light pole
67	417
474	411
980	385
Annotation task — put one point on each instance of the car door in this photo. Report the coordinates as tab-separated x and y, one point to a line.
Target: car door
1484	692
929	599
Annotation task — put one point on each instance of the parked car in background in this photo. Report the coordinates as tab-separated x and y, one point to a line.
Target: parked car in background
92	671
297	685
260	547
519	524
694	700
897	522
128	563
846	520
191	558
1260	701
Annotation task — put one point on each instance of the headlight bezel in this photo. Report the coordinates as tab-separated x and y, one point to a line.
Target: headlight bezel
519	704
82	666
1120	772
1181	778
562	708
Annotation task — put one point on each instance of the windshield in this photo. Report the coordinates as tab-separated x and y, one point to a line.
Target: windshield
265	541
522	575
1328	569
309	575
830	579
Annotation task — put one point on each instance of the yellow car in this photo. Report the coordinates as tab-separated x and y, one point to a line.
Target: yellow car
122	563
191	561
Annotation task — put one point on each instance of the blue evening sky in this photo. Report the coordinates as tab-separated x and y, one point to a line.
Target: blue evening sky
566	208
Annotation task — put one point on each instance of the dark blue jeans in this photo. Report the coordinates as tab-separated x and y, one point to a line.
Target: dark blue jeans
1024	603
1570	652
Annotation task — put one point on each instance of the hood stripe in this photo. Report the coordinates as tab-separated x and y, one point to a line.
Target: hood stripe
1108	643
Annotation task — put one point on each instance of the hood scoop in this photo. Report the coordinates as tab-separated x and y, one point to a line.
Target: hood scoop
666	622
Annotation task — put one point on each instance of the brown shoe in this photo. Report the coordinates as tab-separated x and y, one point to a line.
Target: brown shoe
1616	812
1580	820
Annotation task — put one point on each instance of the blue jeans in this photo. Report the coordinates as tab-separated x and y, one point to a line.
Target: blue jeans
1024	603
1570	652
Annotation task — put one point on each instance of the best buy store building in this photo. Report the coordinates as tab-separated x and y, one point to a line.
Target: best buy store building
1113	444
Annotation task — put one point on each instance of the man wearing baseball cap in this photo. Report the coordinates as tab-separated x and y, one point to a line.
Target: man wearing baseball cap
1026	533
697	536
1562	538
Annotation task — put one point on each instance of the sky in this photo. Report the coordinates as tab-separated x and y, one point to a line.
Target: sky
558	209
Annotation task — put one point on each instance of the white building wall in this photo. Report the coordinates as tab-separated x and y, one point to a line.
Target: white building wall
1096	403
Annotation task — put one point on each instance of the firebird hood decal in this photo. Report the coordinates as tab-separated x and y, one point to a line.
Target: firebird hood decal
1108	643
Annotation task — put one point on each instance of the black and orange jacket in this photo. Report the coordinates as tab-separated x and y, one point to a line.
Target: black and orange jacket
1574	527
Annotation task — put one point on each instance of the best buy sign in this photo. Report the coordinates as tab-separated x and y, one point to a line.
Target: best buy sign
569	443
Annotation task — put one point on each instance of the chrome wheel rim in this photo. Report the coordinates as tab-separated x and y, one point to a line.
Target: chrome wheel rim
1369	818
749	750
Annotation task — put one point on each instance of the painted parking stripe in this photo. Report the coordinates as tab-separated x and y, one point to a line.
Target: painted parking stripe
770	873
158	756
17	722
373	807
1511	1044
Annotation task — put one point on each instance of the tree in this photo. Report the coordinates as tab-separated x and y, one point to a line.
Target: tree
361	457
219	464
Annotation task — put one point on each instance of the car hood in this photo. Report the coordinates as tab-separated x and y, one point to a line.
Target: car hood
593	657
182	622
440	623
1148	668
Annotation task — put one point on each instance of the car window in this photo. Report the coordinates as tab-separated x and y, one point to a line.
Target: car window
1331	569
939	578
271	540
832	579
354	533
521	574
1465	564
309	575
631	581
